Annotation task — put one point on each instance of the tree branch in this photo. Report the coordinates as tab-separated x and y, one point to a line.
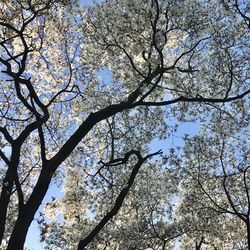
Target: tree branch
120	198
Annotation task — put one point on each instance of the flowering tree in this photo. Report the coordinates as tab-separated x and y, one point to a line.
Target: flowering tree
214	173
61	122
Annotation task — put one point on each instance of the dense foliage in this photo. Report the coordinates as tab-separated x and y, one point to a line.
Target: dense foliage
86	92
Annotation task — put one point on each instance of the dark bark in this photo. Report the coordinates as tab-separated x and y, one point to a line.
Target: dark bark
7	187
27	213
4	201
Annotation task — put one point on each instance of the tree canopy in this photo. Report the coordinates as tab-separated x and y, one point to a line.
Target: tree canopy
86	90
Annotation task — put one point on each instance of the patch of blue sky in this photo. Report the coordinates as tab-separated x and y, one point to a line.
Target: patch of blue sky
176	138
33	238
89	2
105	75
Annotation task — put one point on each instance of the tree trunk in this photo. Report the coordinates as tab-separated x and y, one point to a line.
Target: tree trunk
28	211
17	239
7	186
4	202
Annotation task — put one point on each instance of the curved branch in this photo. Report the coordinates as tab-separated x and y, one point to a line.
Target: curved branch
120	198
193	99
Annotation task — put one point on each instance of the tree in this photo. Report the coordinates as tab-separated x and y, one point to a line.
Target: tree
215	184
59	119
